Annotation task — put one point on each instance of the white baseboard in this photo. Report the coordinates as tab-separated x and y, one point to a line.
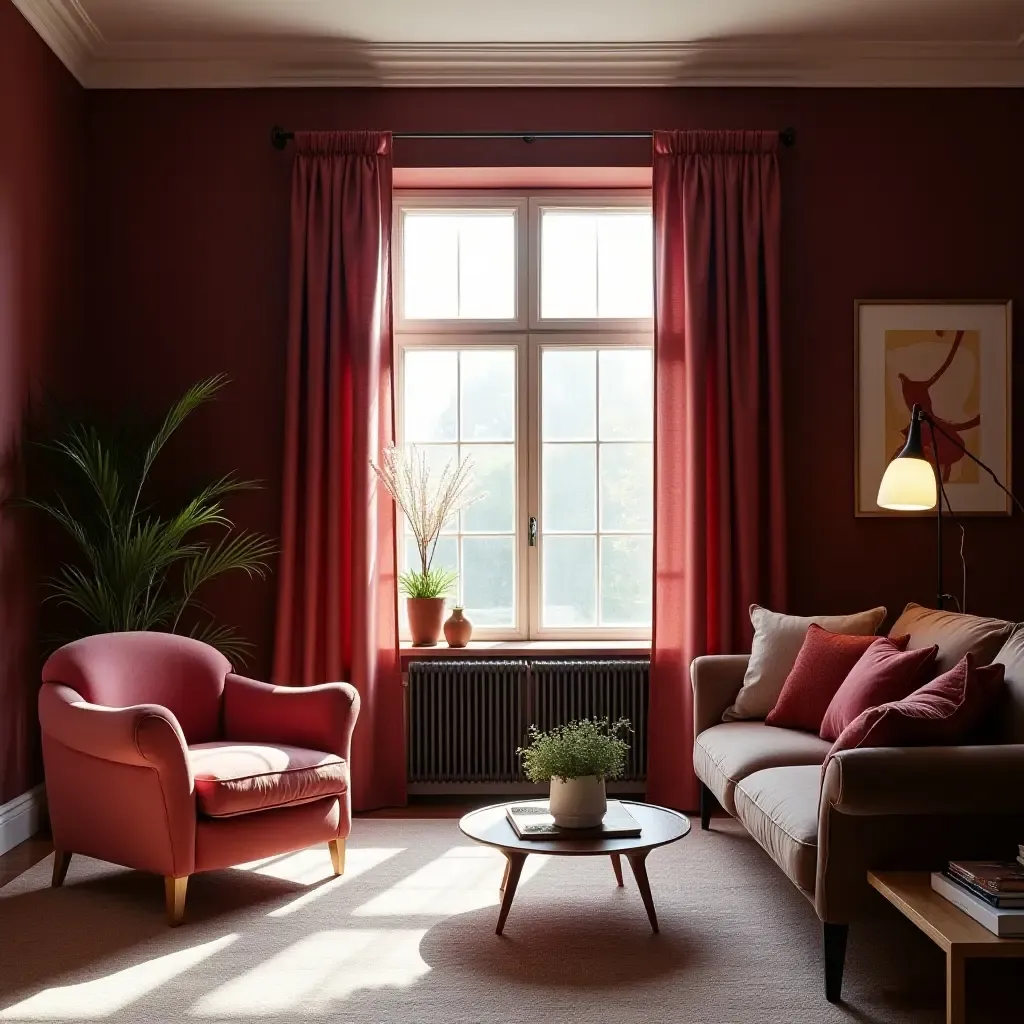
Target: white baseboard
21	817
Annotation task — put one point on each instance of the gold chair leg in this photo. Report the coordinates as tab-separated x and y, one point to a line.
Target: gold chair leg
337	848
174	898
61	861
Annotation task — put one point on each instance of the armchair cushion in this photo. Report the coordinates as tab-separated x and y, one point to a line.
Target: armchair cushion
239	778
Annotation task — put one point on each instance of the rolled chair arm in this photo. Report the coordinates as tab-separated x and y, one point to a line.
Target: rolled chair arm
985	779
316	717
716	679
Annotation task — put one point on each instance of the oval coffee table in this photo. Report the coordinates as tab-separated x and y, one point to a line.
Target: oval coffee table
659	827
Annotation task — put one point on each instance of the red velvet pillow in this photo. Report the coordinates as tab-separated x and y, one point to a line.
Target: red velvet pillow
946	710
883	674
824	661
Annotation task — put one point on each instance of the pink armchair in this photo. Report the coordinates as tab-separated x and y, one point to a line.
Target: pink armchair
160	758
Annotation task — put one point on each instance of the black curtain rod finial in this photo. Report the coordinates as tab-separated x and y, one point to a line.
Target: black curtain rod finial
279	138
788	136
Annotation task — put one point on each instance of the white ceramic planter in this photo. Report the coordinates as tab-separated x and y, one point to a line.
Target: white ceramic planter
578	803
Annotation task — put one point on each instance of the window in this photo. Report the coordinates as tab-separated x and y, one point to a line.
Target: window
523	340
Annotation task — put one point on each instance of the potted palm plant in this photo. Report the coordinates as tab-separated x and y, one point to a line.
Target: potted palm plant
576	759
429	505
138	568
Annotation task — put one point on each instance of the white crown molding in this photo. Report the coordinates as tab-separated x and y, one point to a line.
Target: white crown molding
99	64
21	818
66	29
751	63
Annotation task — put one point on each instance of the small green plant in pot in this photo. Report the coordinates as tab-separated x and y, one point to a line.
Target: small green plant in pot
429	505
576	759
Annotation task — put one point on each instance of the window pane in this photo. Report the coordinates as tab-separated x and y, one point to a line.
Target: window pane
431	396
626	581
569	395
568	264
459	264
488	382
625	265
570	581
437	456
627	487
430	265
494	474
569	487
627	394
487	585
487	266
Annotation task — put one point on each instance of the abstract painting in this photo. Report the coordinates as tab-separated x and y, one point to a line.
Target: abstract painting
952	359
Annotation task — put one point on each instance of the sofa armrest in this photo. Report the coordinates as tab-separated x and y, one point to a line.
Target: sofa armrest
316	717
926	780
717	679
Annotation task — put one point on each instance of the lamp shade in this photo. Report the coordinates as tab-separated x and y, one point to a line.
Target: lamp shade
908	485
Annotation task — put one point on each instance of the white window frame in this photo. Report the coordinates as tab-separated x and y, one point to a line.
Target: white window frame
528	333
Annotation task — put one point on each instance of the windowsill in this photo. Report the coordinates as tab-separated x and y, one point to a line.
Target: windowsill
528	648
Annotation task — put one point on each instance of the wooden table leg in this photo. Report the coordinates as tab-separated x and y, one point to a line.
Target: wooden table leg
637	863
504	878
516	860
956	1003
617	868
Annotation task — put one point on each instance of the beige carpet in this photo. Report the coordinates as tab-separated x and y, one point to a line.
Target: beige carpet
408	935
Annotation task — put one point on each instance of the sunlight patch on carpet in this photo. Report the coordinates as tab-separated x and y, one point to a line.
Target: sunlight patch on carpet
357	862
318	971
102	997
462	879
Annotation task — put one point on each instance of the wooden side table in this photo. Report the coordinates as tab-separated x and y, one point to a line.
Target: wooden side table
957	935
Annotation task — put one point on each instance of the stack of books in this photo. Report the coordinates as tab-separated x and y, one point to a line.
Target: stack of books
992	892
534	821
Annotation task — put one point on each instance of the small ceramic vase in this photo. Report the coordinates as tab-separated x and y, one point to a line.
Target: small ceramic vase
458	629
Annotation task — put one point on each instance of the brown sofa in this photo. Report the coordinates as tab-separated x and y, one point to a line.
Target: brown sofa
894	808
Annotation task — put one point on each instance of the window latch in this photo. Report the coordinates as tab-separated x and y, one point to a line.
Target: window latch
533	531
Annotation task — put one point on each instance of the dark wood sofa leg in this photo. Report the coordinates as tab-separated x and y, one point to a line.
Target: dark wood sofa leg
834	936
707	805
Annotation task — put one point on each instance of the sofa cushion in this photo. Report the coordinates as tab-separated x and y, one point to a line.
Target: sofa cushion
824	662
777	642
727	753
954	634
884	674
779	807
1008	720
239	778
949	709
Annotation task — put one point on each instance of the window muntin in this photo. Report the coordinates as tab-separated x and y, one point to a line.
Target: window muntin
559	421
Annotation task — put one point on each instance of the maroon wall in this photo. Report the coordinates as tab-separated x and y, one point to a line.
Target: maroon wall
888	194
42	166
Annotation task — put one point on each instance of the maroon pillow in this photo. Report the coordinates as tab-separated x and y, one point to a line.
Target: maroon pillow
824	661
883	674
946	710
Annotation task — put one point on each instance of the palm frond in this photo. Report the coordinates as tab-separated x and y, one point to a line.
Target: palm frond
244	551
234	647
60	513
87	451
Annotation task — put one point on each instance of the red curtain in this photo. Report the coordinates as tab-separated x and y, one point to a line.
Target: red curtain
719	533
337	609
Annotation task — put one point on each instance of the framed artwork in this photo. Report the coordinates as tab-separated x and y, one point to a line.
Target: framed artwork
952	359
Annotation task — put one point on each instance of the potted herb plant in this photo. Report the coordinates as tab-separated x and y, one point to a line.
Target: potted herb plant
576	759
429	506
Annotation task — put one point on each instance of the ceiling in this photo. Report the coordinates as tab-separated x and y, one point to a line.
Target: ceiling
189	43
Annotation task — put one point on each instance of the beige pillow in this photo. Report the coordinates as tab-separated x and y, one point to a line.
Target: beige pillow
953	633
777	641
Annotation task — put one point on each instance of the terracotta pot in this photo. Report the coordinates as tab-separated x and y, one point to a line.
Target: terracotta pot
425	617
578	803
458	629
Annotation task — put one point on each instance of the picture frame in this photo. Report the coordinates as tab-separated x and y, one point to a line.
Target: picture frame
954	359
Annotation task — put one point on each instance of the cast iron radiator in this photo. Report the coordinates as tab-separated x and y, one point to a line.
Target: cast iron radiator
467	716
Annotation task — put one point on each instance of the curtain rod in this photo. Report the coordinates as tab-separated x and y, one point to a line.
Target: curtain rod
279	138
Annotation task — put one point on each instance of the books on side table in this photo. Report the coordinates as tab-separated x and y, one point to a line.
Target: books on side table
533	821
991	892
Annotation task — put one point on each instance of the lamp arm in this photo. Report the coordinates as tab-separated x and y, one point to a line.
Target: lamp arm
930	420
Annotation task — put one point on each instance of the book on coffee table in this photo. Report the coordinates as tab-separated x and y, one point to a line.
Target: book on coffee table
533	821
999	877
1004	923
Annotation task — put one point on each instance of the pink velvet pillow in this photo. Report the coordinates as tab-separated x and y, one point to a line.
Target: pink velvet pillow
824	661
946	710
883	674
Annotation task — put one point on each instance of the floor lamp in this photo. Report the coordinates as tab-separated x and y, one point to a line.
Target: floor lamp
913	484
